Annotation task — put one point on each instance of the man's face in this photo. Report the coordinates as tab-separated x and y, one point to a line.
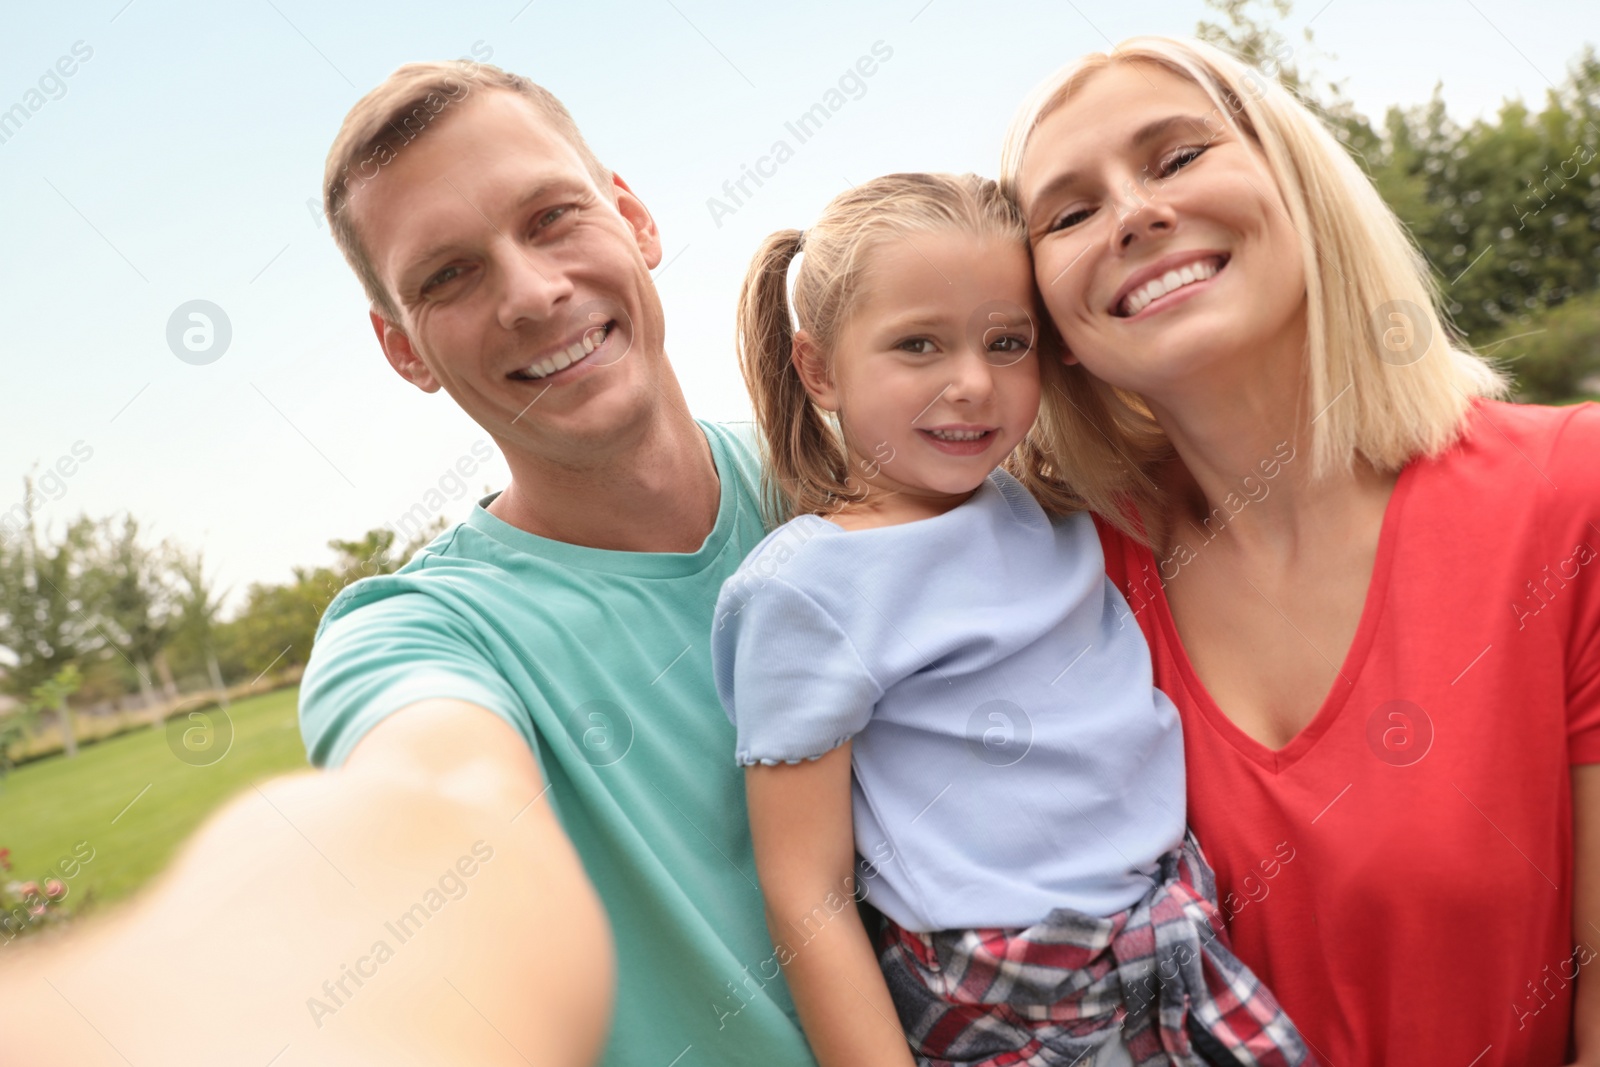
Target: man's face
506	260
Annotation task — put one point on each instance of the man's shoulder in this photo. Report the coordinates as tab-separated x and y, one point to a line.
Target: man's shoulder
741	444
433	582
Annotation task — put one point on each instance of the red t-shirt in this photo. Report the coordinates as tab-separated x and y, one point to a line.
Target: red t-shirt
1400	874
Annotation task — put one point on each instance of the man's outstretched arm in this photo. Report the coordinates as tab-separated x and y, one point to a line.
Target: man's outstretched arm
419	905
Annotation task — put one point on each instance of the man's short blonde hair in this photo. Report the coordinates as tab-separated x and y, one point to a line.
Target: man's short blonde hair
405	106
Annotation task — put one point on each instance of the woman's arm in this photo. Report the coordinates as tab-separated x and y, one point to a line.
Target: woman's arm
1586	908
805	852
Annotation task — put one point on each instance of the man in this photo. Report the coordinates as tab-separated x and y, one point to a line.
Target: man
535	683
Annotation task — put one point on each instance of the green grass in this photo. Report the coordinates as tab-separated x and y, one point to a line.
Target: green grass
49	806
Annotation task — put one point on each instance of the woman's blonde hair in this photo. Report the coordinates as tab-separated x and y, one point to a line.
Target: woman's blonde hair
1374	328
806	468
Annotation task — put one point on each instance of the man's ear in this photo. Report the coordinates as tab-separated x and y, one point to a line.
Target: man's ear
811	364
638	218
398	351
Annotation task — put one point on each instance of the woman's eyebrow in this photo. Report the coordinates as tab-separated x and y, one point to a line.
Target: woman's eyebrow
1150	131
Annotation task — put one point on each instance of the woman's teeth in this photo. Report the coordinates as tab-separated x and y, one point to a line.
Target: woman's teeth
1137	300
958	435
592	339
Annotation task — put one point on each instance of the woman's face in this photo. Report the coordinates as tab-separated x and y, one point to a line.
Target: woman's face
1161	245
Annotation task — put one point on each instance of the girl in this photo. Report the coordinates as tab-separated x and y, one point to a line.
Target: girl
941	706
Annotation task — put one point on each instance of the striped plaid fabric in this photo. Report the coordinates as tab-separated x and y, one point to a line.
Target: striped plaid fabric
1052	994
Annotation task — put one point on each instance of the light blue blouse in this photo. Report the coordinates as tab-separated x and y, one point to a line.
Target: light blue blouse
1010	752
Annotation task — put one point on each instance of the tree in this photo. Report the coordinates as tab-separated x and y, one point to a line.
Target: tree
134	594
52	694
199	607
45	624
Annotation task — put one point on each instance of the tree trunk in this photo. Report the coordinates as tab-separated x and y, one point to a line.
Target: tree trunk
147	692
69	731
169	687
216	677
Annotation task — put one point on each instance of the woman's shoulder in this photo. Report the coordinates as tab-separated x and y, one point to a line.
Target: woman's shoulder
1533	432
1540	454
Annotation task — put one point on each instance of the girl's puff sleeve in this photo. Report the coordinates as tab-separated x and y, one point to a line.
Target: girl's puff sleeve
787	673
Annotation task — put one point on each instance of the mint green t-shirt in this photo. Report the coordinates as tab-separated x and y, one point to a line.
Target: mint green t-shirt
602	661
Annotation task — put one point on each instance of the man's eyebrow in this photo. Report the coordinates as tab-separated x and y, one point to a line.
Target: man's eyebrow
537	193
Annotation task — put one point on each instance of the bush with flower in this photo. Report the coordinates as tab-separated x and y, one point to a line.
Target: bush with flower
27	904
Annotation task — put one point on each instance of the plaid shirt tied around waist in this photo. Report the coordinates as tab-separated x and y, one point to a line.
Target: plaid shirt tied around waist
1049	995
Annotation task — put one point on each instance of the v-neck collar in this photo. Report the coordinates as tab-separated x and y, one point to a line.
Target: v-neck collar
1277	760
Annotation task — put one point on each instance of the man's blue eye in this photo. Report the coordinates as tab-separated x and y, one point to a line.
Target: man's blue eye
441	278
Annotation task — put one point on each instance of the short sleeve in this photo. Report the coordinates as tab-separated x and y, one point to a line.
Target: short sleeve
787	674
1576	498
387	654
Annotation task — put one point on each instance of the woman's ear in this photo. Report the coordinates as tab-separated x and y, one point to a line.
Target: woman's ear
811	363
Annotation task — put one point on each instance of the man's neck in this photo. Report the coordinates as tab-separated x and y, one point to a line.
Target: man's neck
660	494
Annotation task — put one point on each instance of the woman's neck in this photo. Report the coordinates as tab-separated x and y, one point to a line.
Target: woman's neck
1244	462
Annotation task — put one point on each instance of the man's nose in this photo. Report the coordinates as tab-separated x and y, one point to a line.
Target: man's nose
532	287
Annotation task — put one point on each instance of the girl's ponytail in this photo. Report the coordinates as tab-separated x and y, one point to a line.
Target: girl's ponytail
804	458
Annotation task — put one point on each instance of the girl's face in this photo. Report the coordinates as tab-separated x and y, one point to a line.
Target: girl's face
1162	247
935	372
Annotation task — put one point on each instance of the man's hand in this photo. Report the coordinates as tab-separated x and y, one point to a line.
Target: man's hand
420	905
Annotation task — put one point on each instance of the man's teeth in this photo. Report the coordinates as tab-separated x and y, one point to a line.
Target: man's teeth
958	435
1173	279
591	340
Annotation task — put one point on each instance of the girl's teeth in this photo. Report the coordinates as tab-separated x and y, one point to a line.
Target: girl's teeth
958	435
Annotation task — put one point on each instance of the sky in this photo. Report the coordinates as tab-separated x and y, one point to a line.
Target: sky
181	158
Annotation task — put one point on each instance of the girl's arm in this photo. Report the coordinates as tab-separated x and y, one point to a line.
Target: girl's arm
805	853
1586	908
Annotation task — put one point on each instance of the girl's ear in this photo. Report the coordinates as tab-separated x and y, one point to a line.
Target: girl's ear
811	364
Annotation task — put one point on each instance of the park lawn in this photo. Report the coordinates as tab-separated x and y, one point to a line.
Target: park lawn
51	805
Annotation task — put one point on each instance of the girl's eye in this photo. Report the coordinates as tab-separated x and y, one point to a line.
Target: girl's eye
920	346
1014	345
1071	218
1179	159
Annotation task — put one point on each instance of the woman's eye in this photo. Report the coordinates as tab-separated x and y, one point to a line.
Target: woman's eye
920	346
1176	161
1070	219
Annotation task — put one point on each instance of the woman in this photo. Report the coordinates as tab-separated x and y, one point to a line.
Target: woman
1369	586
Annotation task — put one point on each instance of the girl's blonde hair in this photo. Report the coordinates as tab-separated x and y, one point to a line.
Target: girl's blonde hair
806	468
1384	381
